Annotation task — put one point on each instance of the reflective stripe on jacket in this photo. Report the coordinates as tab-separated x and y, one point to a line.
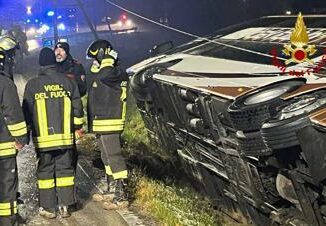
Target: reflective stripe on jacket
53	110
12	124
107	100
7	208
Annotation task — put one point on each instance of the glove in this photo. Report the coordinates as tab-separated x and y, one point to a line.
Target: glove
110	53
96	63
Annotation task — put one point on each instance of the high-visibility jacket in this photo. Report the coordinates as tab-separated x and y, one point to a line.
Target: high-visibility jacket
12	124
107	99
53	110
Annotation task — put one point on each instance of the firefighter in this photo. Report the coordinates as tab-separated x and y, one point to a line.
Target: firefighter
13	137
106	118
70	67
53	111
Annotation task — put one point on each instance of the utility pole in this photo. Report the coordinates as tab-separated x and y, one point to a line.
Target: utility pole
88	20
55	24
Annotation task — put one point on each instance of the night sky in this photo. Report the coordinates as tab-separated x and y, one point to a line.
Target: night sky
206	16
196	16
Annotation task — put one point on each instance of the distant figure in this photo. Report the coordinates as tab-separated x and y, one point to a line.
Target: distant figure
53	112
8	46
106	118
3	62
19	35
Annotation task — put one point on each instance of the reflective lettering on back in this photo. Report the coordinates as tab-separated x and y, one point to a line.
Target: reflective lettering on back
52	91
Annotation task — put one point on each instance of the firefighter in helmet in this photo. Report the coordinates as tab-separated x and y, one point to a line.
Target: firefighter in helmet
12	137
106	118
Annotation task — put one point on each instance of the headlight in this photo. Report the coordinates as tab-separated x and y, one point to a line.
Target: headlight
31	31
129	23
119	23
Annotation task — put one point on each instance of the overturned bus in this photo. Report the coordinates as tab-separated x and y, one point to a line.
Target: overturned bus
245	109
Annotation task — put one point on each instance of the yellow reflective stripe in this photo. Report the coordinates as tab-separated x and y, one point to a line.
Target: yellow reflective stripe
65	181
54	144
7	149
54	140
42	117
7	145
7	205
95	69
108	125
7	212
120	175
8	152
19	133
108	128
55	137
124	111
123	93
78	121
94	53
67	116
108	170
104	63
46	184
7	43
107	63
124	103
18	126
108	122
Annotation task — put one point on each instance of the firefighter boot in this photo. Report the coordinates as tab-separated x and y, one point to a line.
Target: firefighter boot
64	212
108	195
47	213
120	199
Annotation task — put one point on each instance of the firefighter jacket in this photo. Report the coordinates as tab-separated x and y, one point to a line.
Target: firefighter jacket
12	125
53	110
74	70
107	99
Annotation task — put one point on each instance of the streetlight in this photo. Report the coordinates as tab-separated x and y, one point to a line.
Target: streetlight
50	13
29	10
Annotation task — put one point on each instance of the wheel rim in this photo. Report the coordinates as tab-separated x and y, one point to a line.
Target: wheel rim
273	91
300	105
265	95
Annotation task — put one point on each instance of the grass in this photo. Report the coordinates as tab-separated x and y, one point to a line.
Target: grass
136	137
135	132
156	190
172	205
